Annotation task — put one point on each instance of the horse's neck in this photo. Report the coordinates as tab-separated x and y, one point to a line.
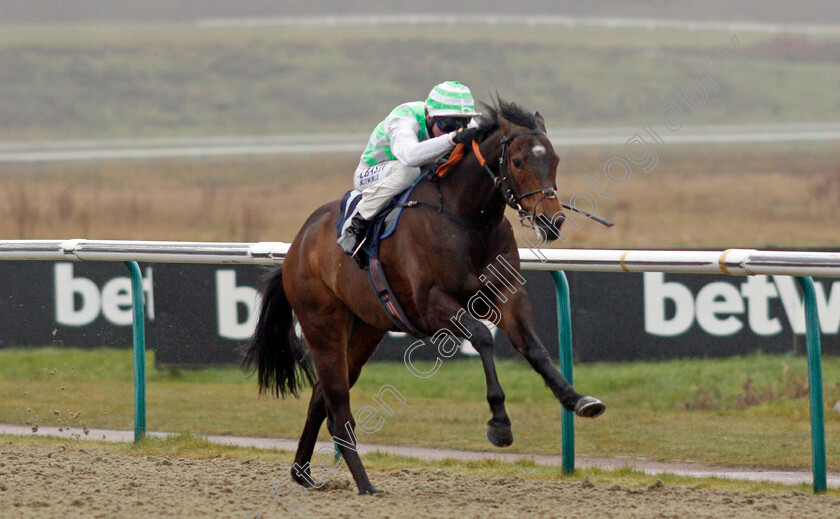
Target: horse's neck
471	193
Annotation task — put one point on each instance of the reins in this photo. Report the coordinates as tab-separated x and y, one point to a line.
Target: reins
435	176
440	210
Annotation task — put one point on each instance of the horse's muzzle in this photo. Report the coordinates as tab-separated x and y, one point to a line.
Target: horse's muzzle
549	227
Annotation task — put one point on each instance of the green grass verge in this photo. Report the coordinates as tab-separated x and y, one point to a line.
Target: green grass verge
750	411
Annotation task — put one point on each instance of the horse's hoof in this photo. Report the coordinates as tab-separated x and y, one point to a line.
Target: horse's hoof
589	407
370	491
499	436
302	481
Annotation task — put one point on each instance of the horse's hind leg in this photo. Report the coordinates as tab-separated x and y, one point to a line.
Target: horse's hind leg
336	388
327	334
306	446
518	323
362	344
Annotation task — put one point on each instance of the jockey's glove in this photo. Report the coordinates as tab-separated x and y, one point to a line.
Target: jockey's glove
464	135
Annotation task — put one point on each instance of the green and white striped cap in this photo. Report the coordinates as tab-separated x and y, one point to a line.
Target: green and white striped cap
450	98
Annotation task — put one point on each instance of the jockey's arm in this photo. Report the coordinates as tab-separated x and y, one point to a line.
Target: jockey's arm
410	151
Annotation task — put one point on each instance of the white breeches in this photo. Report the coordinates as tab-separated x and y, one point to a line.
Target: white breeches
380	183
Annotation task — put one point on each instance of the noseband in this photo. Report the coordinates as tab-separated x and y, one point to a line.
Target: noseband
505	183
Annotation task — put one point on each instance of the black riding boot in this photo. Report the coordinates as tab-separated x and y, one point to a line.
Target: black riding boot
352	238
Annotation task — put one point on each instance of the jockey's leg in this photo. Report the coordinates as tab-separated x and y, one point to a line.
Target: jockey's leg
379	185
394	178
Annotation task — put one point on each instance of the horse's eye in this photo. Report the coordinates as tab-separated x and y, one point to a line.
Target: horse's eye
517	163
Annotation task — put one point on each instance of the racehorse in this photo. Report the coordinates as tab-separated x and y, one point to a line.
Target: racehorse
436	262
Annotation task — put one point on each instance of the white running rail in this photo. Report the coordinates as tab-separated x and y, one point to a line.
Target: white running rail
741	262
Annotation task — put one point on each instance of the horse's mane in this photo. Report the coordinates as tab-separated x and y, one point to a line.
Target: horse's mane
488	121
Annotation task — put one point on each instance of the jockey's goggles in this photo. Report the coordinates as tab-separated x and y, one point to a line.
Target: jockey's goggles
451	123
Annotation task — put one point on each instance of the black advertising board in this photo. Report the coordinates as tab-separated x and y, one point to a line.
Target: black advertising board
196	315
46	303
199	315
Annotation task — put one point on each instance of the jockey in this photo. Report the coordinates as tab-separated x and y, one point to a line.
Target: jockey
414	134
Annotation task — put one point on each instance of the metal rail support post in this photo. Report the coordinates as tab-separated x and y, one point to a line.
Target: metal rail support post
564	331
139	336
812	335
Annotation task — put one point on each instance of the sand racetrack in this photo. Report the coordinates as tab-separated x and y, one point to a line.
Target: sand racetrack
64	482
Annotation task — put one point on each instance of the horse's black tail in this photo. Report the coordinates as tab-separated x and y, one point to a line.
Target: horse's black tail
275	351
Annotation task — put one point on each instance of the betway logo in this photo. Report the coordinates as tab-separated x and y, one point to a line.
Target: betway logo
720	307
230	299
79	301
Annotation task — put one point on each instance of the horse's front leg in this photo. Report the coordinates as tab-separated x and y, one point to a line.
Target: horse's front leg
499	431
517	320
452	317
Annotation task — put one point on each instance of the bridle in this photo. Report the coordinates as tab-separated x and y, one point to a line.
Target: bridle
505	183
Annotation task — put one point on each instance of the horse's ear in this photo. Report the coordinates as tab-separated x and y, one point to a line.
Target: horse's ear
540	121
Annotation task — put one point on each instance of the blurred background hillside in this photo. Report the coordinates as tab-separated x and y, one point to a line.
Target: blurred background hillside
804	11
109	73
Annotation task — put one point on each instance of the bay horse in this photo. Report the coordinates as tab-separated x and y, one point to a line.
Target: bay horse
436	262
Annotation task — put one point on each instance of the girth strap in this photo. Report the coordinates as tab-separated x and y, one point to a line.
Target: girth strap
386	297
